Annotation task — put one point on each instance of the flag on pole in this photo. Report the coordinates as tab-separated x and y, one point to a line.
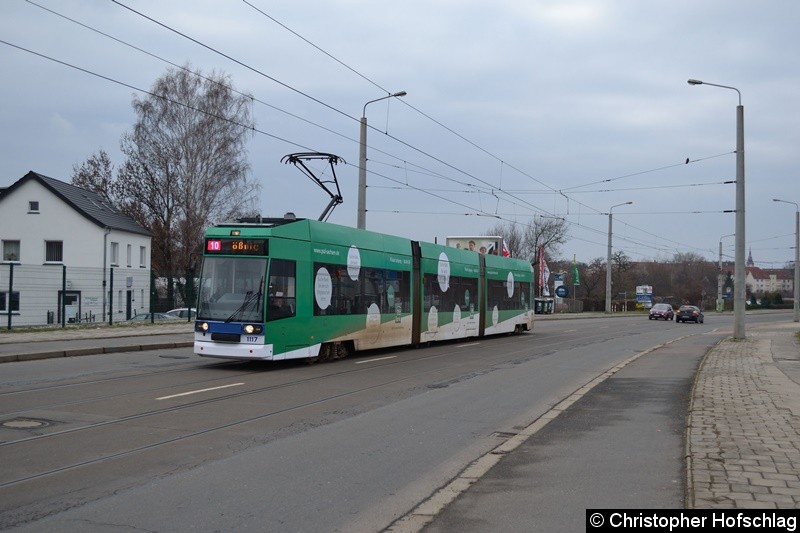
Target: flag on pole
506	251
541	268
544	273
546	276
576	277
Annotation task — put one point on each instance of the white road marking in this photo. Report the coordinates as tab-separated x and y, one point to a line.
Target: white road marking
467	345
376	359
199	391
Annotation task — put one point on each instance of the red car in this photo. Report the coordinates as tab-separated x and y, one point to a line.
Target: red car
661	311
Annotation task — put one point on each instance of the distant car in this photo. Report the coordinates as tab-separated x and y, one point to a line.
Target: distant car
183	312
689	313
157	317
661	311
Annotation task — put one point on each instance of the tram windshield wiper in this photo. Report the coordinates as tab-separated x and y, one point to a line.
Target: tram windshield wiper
250	300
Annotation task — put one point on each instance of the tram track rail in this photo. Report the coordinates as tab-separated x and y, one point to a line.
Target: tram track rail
108	457
216	399
423	354
210	366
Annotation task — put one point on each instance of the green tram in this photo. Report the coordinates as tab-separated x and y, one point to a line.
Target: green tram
274	289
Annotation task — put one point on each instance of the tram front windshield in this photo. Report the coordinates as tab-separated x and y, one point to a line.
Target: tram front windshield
232	289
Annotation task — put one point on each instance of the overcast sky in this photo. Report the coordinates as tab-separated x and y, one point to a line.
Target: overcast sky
516	109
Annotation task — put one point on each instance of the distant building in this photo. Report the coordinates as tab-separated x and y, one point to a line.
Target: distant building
47	225
760	281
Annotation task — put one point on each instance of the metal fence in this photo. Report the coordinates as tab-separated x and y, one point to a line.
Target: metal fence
36	295
174	291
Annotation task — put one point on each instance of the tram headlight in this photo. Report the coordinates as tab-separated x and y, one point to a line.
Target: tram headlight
202	326
253	328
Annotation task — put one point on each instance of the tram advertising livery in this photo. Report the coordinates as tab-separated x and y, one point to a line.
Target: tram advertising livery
274	289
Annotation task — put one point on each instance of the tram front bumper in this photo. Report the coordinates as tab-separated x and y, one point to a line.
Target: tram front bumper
228	350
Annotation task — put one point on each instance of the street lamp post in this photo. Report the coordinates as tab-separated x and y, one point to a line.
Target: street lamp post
739	289
362	162
796	257
608	258
720	300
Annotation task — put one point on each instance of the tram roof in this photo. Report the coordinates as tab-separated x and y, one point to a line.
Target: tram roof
315	231
329	233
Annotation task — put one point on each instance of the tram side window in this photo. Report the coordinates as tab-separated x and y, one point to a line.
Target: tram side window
524	295
433	294
344	291
282	299
461	291
498	295
372	290
388	289
468	293
398	284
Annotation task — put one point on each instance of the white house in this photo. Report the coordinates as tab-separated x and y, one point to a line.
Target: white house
762	280
63	244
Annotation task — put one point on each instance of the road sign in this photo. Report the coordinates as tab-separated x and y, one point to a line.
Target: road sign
562	291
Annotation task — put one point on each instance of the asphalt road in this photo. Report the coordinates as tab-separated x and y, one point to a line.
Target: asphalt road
619	447
164	441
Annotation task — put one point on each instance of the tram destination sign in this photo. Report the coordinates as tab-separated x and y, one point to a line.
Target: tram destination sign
237	246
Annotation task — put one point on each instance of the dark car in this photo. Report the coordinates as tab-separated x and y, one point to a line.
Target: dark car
661	311
689	313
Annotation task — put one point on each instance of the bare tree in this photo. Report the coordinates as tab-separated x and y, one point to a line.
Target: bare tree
524	239
697	275
186	163
593	282
548	233
512	235
185	168
96	174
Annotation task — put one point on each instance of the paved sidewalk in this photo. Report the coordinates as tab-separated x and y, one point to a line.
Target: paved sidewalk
743	438
75	341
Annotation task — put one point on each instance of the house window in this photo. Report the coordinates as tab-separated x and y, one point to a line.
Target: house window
9	301
53	251
33	206
130	253
11	251
143	256
114	254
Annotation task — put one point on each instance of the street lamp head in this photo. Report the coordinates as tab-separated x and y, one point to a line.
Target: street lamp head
393	95
698	82
786	202
617	205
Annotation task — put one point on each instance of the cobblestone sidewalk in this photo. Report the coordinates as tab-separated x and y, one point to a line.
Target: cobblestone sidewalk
743	440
